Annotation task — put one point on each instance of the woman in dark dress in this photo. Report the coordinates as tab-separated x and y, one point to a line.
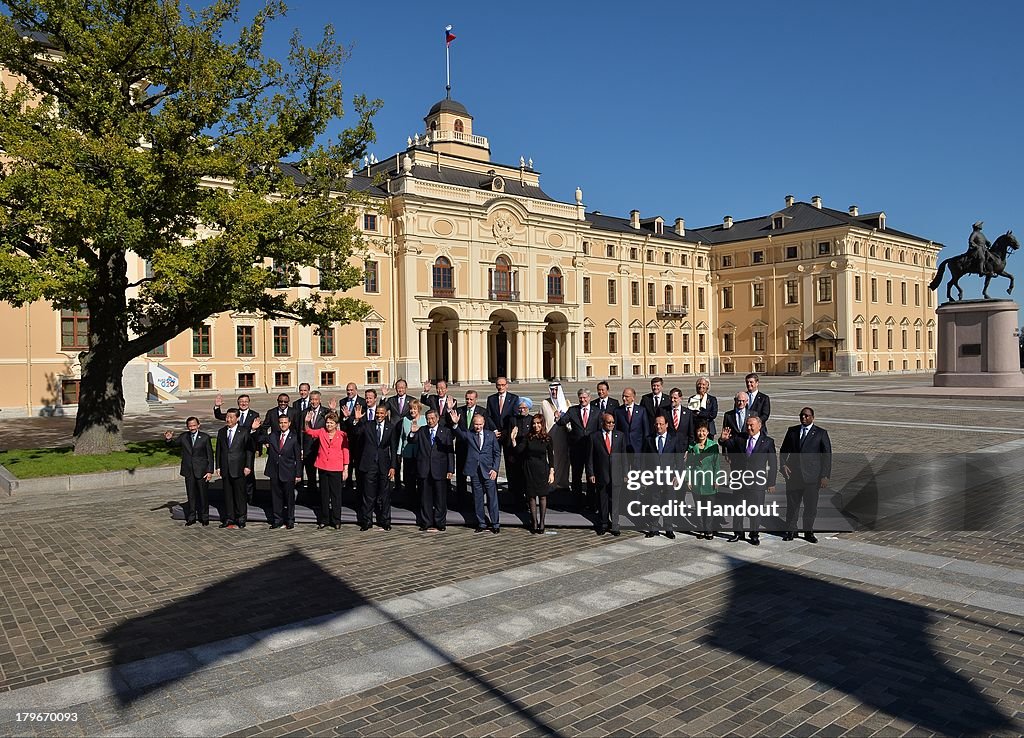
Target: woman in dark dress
537	462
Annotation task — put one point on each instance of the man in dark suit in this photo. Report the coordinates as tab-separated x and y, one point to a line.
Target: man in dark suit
235	456
283	407
245	418
463	418
669	450
501	405
806	460
680	419
755	454
606	469
736	419
284	468
483	457
347	411
376	467
655	402
442	402
758	403
197	469
435	461
398	404
632	421
604	402
303	403
317	415
347	404
582	421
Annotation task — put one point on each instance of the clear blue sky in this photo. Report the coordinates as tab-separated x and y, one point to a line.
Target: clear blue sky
701	110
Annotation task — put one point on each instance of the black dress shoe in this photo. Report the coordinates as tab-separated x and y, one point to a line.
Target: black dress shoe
755	540
495	530
205	523
480	530
276	526
670	535
810	538
736	537
320	526
386	527
649	534
189	523
601	531
224	525
241	525
364	526
290	526
787	536
614	533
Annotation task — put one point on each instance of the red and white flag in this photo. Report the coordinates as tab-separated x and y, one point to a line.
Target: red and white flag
448	36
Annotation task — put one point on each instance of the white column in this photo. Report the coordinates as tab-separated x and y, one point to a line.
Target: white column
462	341
450	349
424	357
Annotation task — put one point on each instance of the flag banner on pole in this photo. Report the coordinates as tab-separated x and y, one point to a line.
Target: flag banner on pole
448	36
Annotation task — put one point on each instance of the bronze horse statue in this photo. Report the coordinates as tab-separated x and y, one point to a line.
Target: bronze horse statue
967	263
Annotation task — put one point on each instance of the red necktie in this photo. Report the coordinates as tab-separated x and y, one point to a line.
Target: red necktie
585	414
675	418
629	414
608	442
281	446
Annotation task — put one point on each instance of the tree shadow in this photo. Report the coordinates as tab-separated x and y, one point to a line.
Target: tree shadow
227	618
875	649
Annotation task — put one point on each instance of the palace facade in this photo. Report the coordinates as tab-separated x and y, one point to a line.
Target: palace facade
474	271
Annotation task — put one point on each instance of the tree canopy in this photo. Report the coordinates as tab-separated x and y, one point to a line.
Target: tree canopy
141	129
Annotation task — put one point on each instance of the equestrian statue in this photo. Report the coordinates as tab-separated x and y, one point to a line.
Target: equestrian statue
982	258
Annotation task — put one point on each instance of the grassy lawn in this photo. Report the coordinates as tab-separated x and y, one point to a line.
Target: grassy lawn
51	462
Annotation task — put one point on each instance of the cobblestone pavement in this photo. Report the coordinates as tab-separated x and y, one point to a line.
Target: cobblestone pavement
111	610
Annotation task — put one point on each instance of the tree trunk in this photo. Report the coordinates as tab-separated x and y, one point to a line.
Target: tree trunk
100	404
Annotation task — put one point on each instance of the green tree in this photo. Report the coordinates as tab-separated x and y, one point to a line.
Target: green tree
144	130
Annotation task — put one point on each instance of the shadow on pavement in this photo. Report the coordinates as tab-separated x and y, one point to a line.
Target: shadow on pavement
875	649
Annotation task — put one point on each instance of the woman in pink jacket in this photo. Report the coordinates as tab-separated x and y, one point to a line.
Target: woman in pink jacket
332	460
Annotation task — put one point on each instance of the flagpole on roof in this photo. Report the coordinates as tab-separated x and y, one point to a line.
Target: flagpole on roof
448	36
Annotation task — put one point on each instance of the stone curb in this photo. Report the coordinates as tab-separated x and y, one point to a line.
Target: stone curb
9	484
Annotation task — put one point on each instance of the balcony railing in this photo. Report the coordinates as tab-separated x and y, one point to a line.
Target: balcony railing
459	136
503	295
444	292
673	311
556	299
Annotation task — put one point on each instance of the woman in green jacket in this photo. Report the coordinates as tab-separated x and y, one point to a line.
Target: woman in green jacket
704	462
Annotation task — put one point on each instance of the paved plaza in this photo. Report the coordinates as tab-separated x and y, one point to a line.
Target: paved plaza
113	612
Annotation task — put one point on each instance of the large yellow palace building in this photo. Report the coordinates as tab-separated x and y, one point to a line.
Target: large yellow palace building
473	271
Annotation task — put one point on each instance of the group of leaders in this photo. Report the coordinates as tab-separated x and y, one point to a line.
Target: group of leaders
377	446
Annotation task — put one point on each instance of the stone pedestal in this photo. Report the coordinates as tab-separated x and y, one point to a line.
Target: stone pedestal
977	345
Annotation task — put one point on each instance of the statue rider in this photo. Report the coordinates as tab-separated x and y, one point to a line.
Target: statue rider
979	245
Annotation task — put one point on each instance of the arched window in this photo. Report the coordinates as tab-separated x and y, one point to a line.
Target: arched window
555	285
443	278
669	295
458	126
501	279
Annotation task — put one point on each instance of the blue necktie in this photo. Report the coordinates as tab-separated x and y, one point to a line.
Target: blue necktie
661	444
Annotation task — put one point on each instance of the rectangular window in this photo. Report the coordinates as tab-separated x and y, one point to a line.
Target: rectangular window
686	368
670	368
906	365
792	367
930	346
931	295
609	251
792	292
686	346
669	343
888	338
373	376
652	343
757	257
758	294
159	351
636	342
726	261
824	248
888	290
791	252
684	260
684	293
727	343
282	336
874	290
586	290
327	342
859	333
369	222
856	288
650	294
702	343
586	248
906	342
611	292
891	365
244	342
636	370
917	294
824	289
727	298
634	294
590	370
246	380
668	258
202	381
586	342
74	329
860	364
649	255
373	341
903	292
917	339
370	281
282	379
874	338
613	370
759	341
201	340
613	343
874	366
793	340
328	379
729	368
69	391
634	255
700	298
